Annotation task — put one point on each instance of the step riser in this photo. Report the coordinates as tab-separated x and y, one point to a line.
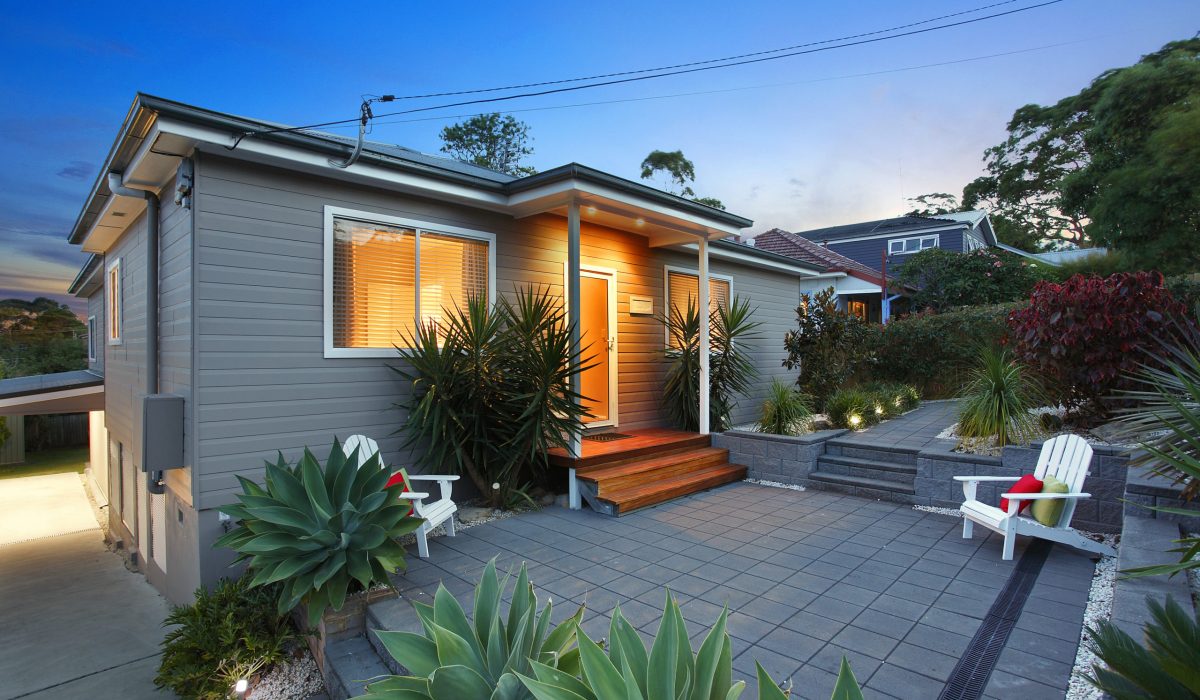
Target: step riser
863	492
618	459
685	465
879	455
862	482
866	472
736	474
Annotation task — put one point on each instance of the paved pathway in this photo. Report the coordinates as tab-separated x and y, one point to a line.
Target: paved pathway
917	428
809	577
74	623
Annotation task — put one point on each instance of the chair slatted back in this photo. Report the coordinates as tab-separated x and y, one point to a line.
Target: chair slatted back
366	447
1066	458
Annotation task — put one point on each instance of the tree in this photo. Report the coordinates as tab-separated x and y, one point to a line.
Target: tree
675	174
827	345
1142	186
40	337
490	141
944	279
934	204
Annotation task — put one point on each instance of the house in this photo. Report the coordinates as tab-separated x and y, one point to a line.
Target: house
246	285
859	288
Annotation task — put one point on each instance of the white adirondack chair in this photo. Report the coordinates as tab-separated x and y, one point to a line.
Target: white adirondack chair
435	513
1066	458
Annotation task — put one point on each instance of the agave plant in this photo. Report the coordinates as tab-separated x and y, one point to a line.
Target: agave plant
997	398
1165	669
670	669
730	369
456	658
322	531
786	410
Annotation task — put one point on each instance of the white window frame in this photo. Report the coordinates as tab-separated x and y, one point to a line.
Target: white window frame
936	238
694	272
114	299
332	212
91	345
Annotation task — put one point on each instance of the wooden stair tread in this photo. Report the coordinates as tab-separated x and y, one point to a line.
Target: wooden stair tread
648	494
639	445
648	463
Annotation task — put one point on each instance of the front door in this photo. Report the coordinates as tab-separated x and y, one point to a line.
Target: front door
598	337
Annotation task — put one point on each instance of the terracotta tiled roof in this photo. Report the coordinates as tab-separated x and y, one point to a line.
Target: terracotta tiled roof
796	246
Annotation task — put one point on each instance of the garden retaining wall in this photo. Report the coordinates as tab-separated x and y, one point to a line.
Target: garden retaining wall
790	460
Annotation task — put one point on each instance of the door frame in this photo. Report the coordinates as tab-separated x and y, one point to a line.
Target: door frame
614	353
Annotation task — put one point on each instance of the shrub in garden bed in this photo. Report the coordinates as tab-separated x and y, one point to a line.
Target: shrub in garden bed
932	351
828	346
852	408
893	397
786	411
997	399
231	632
1087	335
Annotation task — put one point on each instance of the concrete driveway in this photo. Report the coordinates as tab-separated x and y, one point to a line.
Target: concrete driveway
74	623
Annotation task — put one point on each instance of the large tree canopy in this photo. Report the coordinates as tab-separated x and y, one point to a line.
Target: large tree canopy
39	337
1113	165
491	141
675	174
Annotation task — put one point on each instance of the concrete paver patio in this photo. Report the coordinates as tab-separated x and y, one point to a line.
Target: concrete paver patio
808	576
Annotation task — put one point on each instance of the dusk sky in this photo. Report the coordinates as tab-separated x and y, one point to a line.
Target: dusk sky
822	139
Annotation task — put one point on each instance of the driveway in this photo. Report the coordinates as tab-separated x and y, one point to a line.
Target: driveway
74	623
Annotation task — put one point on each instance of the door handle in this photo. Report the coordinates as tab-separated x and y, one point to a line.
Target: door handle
612	343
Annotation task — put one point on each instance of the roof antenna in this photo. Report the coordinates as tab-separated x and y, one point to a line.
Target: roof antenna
363	120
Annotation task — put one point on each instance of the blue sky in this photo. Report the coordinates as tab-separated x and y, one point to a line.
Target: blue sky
816	140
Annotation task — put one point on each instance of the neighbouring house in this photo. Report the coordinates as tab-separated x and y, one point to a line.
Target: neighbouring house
859	288
246	286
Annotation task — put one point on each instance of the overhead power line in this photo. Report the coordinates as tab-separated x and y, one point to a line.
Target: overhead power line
635	78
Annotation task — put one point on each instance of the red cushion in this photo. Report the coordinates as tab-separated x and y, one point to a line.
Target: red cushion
400	478
1026	484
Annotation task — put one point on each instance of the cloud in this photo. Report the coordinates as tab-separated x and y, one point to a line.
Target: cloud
77	170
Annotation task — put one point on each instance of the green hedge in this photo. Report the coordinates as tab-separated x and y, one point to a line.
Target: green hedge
933	351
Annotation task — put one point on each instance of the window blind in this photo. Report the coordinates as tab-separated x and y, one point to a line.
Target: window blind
682	286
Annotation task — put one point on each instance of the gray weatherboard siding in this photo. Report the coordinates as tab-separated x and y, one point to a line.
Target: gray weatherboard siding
869	252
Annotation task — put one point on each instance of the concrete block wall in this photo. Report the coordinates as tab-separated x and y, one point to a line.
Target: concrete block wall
782	458
1154	491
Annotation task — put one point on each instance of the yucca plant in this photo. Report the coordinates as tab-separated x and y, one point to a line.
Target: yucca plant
456	658
730	369
786	410
320	531
1167	668
997	398
491	390
851	408
670	669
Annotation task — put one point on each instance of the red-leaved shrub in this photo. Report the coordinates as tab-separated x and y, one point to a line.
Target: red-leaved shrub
1084	335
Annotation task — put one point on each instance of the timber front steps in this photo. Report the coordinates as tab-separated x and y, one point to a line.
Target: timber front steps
884	472
648	467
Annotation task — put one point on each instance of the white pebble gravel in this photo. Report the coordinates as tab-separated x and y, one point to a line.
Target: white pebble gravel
1099	608
776	484
298	678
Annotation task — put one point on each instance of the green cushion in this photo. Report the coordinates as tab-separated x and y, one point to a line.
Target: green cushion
1047	511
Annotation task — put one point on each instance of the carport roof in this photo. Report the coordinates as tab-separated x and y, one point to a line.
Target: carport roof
60	392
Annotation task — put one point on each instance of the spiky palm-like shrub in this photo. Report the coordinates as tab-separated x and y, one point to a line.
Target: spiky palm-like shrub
1164	669
730	369
230	632
786	410
320	531
669	669
491	390
895	397
456	658
851	408
997	399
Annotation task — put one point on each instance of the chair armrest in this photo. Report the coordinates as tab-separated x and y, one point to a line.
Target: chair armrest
987	478
1042	496
414	495
433	477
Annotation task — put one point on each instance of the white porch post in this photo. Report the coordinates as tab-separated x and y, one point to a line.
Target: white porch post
573	314
704	340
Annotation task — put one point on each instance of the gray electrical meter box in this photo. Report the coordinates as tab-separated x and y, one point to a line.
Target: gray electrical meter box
162	432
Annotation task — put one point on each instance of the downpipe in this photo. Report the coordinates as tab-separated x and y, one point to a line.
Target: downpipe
117	187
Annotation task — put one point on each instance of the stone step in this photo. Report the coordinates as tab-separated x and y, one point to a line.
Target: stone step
392	615
349	665
841	447
868	468
863	482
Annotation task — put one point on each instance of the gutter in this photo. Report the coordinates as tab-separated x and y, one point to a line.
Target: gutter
118	188
86	275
